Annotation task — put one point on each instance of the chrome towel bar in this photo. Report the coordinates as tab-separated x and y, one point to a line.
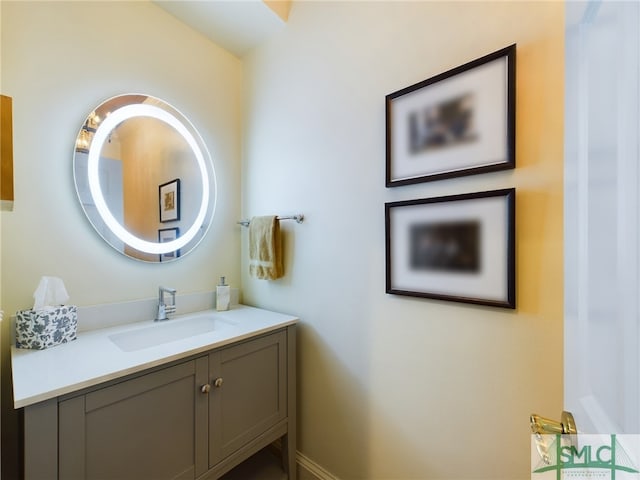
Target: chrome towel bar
298	218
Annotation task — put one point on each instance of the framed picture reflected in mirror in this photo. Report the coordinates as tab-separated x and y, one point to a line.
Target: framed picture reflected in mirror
169	201
168	235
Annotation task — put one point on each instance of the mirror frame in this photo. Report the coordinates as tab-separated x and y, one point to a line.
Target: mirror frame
92	137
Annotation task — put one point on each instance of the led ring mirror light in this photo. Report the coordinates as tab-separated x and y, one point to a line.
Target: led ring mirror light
102	134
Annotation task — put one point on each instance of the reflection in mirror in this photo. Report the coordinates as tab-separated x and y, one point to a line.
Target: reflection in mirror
144	178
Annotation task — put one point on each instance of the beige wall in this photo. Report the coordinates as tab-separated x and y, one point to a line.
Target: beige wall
390	386
59	61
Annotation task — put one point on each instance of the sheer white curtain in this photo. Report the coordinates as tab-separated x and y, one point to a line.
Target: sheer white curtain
602	211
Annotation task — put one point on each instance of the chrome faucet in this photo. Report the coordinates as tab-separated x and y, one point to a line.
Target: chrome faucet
163	308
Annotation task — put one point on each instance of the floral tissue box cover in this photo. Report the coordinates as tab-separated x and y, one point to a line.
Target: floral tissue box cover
42	329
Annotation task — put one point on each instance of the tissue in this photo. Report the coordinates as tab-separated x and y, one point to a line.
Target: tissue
50	293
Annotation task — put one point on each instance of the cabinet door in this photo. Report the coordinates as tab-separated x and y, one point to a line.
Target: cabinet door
249	392
144	428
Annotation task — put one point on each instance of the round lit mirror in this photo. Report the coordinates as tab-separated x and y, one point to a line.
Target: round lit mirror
144	177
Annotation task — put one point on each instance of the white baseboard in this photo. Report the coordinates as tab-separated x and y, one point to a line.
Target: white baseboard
310	470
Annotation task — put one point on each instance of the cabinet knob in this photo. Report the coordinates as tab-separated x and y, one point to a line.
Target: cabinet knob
205	388
218	382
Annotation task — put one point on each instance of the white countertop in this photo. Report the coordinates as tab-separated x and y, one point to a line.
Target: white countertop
93	358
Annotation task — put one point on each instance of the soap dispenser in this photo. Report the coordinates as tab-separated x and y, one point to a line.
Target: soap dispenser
223	295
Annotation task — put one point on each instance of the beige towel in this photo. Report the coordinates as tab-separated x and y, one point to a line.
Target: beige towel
265	248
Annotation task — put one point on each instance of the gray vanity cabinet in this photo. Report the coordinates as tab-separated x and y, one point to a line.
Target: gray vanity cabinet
193	419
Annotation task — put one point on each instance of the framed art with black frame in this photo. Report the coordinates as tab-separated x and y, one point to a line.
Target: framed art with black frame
169	201
459	248
460	122
168	235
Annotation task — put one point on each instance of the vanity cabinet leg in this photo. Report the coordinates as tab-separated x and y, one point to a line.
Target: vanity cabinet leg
289	457
41	440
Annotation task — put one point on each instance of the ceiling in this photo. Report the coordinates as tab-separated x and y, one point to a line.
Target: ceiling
235	25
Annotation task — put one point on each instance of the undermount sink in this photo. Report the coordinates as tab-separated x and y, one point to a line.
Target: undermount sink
168	331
